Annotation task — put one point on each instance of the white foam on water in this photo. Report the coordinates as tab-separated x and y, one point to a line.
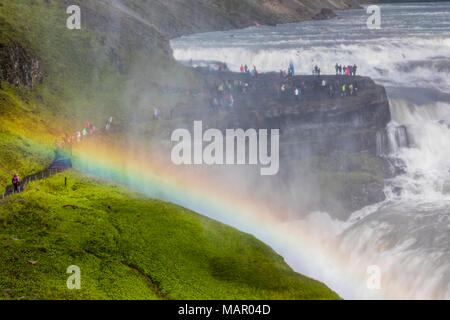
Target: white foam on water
408	234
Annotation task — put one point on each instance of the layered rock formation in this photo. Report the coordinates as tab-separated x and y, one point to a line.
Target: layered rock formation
18	66
180	17
332	139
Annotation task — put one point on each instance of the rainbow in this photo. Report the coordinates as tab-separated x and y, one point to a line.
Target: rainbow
156	177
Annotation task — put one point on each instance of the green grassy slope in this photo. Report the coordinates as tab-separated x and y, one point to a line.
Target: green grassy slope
25	139
140	248
131	247
88	75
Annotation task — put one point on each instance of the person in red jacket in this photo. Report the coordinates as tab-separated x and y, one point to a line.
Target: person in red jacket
15	182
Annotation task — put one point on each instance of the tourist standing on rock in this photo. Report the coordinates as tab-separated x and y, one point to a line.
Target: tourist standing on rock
246	69
340	69
331	91
354	69
344	89
337	69
345	69
242	68
296	94
15	182
316	71
255	72
291	69
350	87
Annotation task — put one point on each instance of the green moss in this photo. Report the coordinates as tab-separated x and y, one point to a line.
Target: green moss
130	247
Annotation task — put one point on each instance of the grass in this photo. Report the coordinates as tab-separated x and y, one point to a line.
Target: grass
127	246
26	139
131	247
81	83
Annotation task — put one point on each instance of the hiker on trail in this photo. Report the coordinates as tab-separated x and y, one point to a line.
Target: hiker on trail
15	182
242	68
109	123
84	133
337	69
156	113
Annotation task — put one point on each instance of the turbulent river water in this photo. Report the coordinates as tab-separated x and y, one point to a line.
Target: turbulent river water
407	236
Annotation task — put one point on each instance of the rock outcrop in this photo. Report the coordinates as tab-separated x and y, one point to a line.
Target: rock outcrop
331	139
180	17
324	14
19	66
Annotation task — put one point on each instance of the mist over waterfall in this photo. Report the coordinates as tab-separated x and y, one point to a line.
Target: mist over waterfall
407	235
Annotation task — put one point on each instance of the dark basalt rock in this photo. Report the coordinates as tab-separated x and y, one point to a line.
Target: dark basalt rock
324	14
18	66
331	139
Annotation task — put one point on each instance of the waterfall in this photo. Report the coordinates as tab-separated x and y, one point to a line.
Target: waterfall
391	140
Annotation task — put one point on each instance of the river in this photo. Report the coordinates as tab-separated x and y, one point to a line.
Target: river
407	236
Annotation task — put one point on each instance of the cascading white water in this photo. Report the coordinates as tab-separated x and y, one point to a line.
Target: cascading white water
408	235
409	232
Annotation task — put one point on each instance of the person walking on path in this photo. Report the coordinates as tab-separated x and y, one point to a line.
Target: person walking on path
15	182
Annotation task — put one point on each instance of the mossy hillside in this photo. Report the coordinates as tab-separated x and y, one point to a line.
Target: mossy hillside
26	139
131	247
88	75
98	71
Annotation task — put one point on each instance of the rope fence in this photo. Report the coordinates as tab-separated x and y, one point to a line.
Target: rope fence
56	167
